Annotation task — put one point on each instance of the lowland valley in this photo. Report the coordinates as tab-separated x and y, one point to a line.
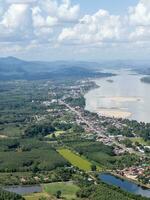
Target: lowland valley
52	147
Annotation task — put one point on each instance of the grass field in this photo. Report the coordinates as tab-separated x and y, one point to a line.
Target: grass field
37	196
140	140
48	159
103	159
76	160
11	130
67	189
57	133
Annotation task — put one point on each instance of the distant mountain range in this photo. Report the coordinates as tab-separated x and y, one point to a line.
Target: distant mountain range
12	68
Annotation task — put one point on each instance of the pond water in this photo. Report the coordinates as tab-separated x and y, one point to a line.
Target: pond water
23	190
123	95
124	184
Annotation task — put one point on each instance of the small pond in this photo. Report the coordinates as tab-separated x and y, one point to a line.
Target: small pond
23	190
124	184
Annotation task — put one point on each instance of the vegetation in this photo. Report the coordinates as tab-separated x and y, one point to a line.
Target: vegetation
15	69
95	151
4	195
140	140
66	190
40	140
76	101
38	130
105	192
75	159
146	79
39	196
28	155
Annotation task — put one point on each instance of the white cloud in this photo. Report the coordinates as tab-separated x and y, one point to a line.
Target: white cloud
139	20
34	18
21	1
140	14
58	22
40	21
15	16
102	27
97	28
66	12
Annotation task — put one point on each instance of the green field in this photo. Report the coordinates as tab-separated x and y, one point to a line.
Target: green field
67	189
140	140
75	160
11	130
57	133
38	196
27	154
96	152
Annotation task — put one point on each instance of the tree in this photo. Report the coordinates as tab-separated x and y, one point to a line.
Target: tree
58	194
42	198
93	168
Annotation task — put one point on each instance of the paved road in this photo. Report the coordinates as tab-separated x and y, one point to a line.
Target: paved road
80	116
94	130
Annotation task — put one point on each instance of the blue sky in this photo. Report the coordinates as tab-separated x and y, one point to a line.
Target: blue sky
114	6
75	29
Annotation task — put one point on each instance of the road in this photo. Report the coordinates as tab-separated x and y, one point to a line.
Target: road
131	151
80	117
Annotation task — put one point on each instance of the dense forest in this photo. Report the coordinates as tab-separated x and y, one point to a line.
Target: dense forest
104	192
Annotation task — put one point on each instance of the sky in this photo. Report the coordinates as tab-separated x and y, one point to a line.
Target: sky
90	30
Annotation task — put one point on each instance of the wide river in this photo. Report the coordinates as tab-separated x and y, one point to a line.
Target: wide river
123	96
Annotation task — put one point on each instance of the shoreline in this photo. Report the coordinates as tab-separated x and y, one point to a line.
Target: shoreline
122	98
117	112
114	113
123	178
132	180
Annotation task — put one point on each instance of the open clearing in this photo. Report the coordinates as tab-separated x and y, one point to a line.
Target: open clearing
37	196
140	140
76	160
68	189
57	133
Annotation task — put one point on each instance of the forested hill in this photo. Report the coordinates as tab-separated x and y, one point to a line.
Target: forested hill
146	79
13	69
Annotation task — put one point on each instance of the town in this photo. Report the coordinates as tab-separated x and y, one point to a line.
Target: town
97	127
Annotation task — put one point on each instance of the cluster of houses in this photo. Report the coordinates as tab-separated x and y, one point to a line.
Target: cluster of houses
133	172
92	123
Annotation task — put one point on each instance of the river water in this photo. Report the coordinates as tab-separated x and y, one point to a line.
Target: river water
123	95
125	185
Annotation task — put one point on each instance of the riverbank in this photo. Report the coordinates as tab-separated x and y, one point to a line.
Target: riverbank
124	184
117	113
127	95
126	178
131	180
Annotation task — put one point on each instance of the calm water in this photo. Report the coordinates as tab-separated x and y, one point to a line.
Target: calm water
125	93
23	190
125	185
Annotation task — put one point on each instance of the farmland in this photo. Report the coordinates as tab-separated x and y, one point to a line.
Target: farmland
49	191
68	189
75	160
37	196
39	140
94	151
140	140
28	155
56	133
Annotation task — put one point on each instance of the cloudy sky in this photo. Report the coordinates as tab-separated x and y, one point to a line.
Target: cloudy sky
75	29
